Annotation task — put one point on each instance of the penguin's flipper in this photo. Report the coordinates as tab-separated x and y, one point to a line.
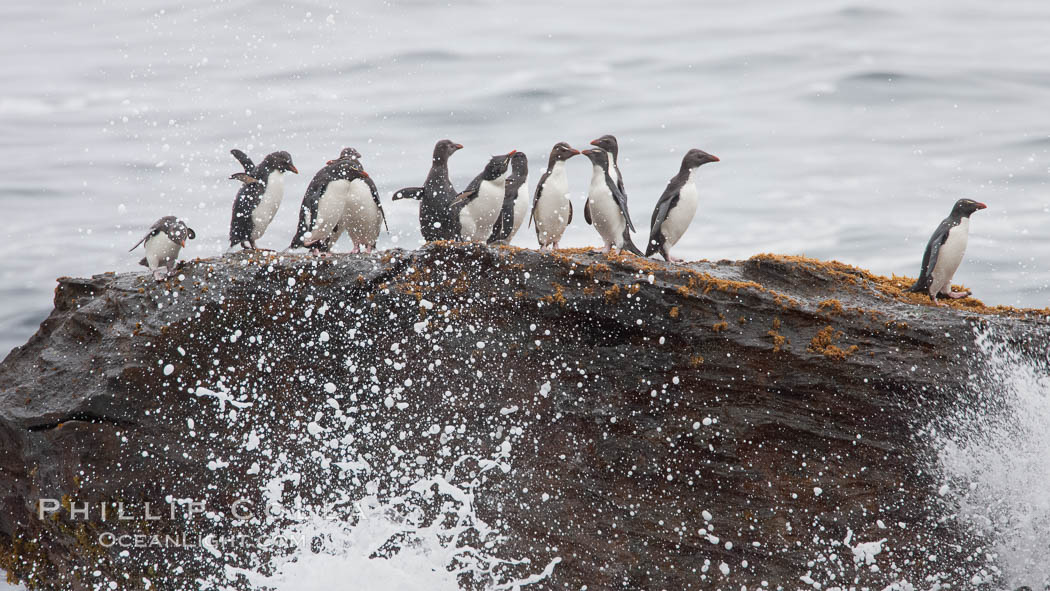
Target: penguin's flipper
570	214
628	243
375	197
536	197
408	193
621	200
158	226
464	198
663	207
587	213
505	221
246	162
929	258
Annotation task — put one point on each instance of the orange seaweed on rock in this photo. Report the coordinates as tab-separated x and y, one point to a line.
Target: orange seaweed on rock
896	286
824	343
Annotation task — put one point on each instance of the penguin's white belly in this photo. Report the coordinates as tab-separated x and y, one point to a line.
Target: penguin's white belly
681	215
949	257
361	218
482	211
161	251
521	208
606	214
268	204
330	208
553	207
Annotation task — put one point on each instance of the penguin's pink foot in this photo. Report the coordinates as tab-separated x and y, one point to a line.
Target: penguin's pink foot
956	295
370	248
606	249
673	259
356	249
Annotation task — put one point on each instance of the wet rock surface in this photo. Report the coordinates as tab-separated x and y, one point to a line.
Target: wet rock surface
704	425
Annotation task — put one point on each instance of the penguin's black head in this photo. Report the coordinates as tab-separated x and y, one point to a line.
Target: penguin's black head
346	168
562	151
964	207
179	233
445	148
608	143
519	164
497	166
694	158
281	161
598	157
347	154
243	177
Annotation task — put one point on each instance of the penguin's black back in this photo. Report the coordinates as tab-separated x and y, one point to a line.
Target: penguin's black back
244	204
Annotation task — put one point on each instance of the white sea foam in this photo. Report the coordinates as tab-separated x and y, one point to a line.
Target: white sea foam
997	465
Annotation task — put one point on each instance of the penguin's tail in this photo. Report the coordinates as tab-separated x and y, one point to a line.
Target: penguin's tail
922	284
628	244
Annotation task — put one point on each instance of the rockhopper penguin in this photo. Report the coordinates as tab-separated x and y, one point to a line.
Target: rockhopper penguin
676	207
363	217
515	201
606	207
324	203
551	208
612	148
436	220
479	205
944	252
166	237
254	206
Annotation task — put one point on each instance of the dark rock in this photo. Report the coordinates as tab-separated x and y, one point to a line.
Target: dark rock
631	399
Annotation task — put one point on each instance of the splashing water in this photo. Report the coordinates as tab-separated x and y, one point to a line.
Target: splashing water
997	463
394	544
396	534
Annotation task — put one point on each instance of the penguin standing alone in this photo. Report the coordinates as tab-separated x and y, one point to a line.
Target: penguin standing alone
324	203
551	207
606	207
944	252
479	205
166	237
436	220
515	200
676	207
253	209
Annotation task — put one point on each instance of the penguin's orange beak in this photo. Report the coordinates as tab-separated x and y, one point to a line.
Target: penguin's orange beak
183	243
715	158
594	142
512	152
293	169
459	146
576	152
365	174
981	205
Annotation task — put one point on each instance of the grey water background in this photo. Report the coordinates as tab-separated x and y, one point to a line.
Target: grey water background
846	129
